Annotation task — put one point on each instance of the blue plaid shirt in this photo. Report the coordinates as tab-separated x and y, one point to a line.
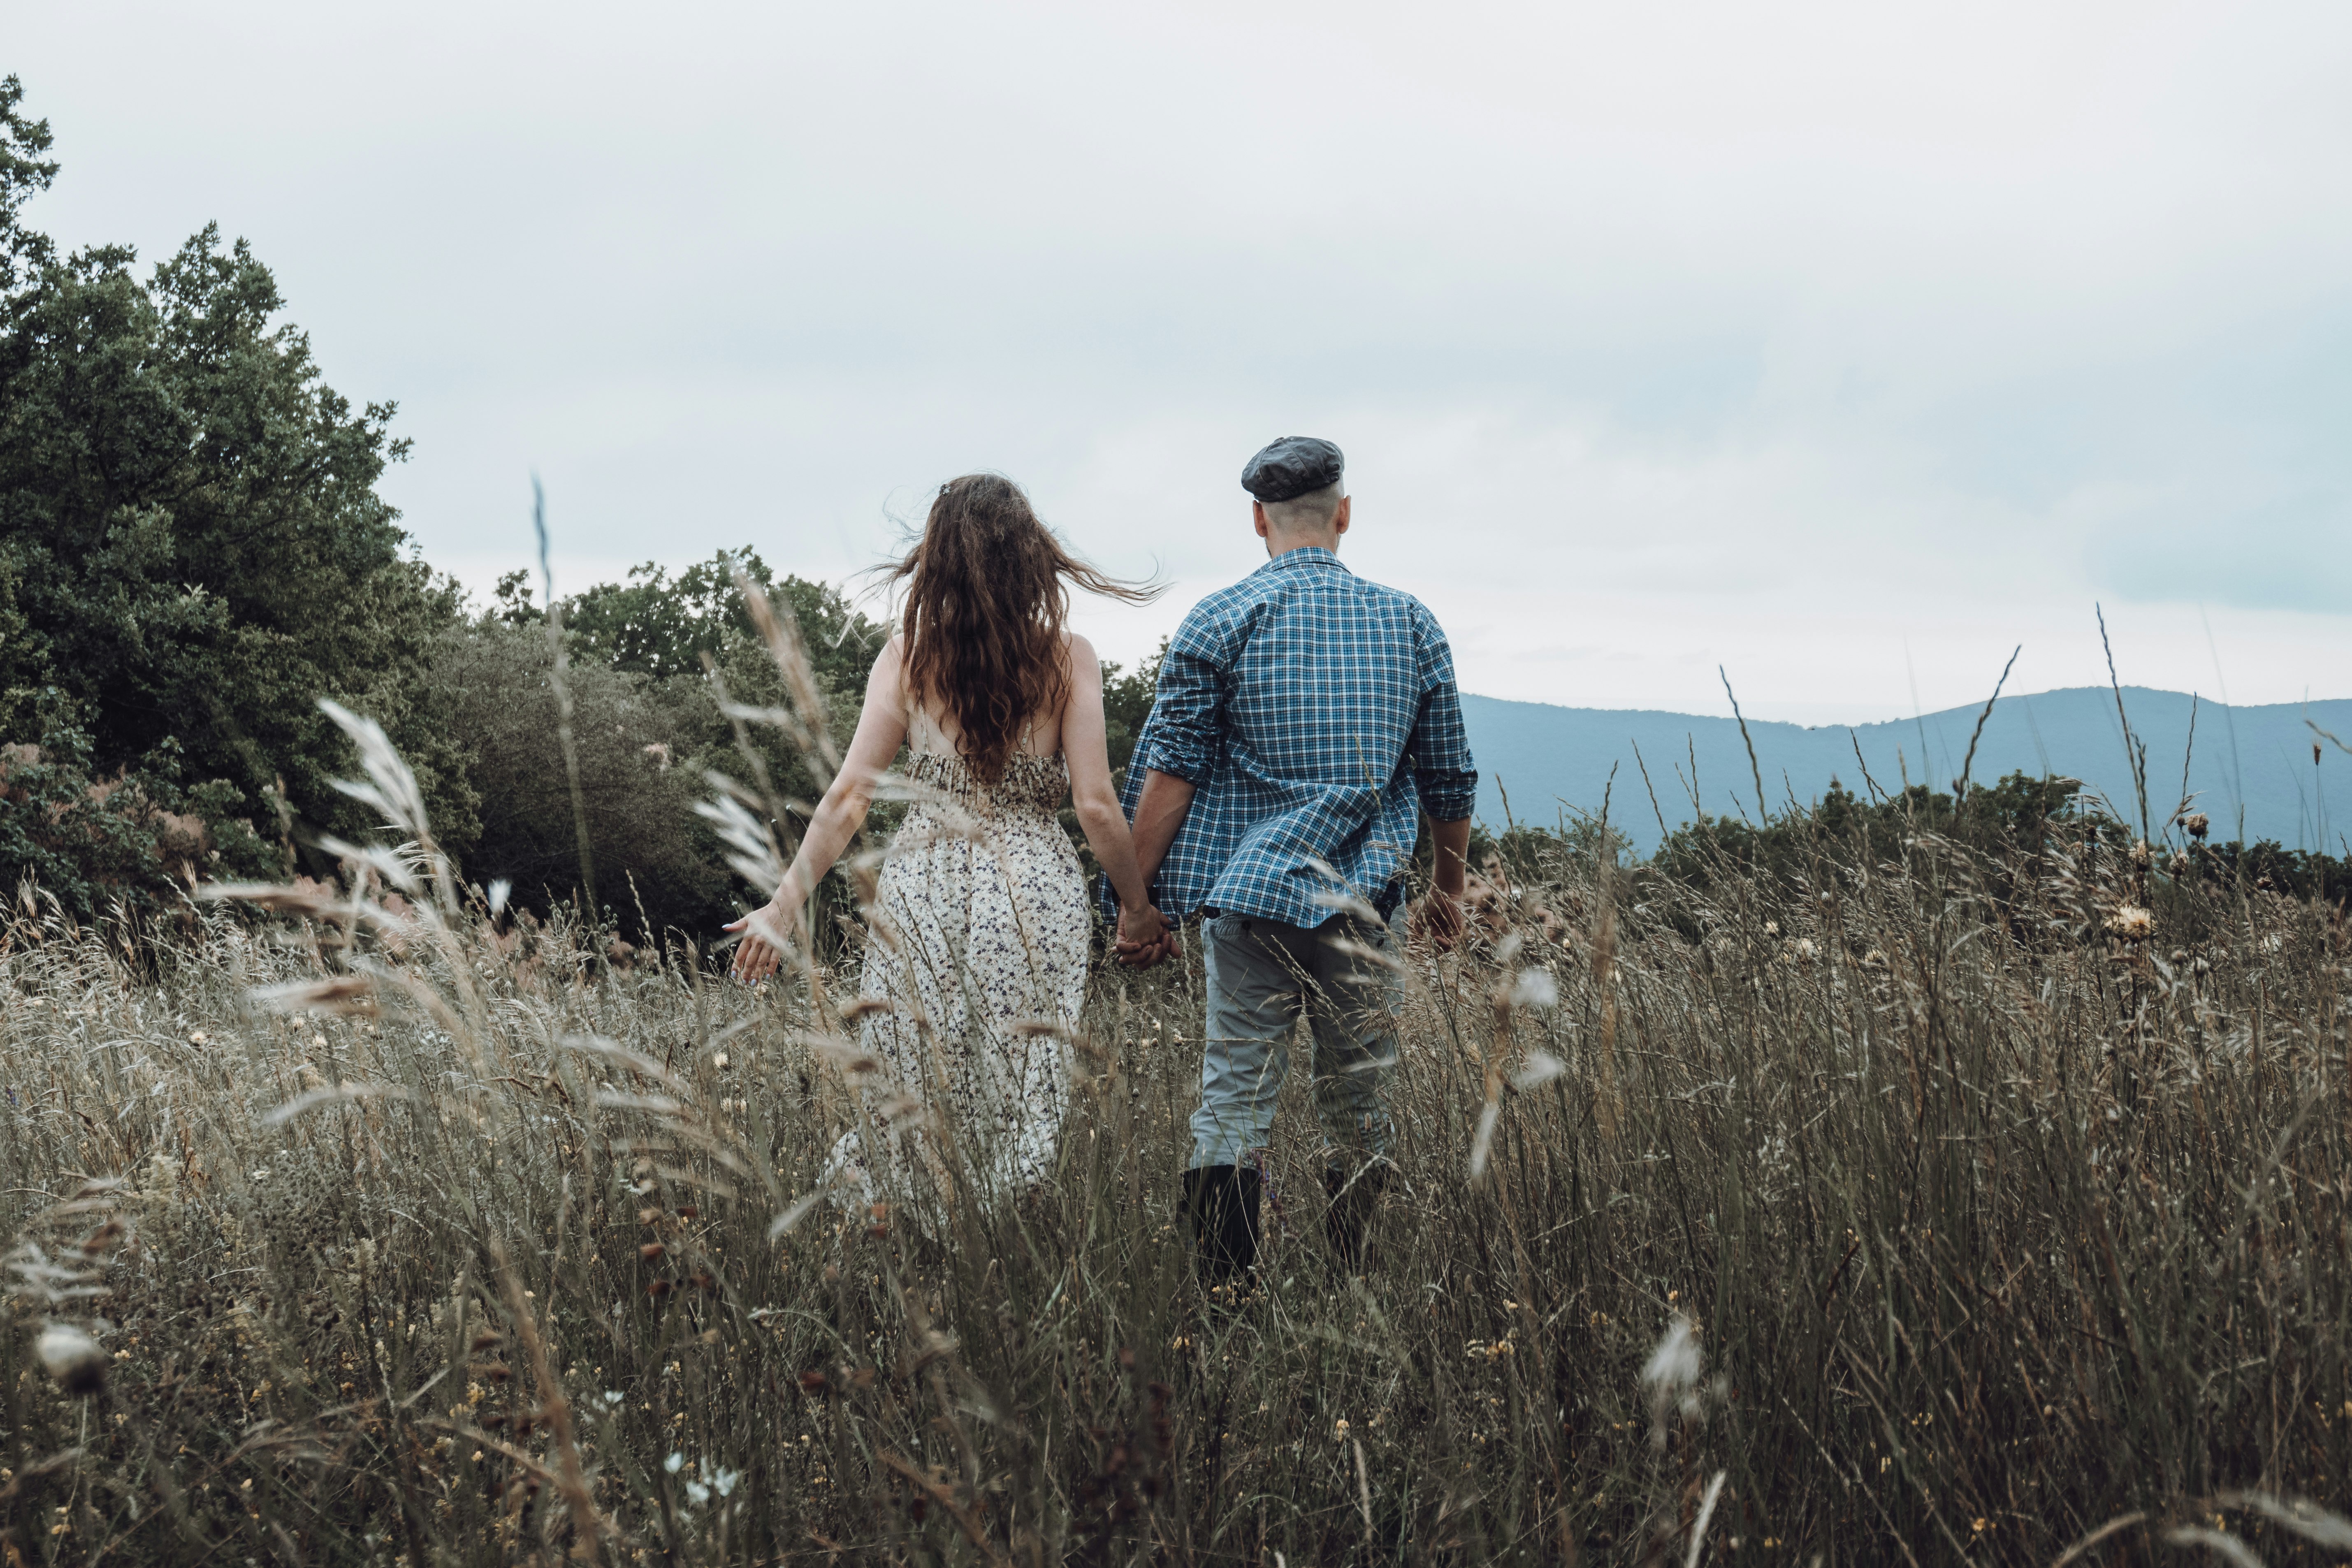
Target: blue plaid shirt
1316	715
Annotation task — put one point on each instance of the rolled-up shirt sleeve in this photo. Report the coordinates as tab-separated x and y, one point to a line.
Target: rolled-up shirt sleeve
1443	769
1183	734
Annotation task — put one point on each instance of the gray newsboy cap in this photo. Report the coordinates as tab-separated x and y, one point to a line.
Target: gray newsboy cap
1292	467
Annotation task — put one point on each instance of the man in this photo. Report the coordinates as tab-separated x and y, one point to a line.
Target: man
1304	720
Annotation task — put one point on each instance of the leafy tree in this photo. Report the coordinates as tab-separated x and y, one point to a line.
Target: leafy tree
24	173
191	549
1127	696
660	625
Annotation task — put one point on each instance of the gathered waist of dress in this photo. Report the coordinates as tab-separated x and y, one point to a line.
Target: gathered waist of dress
1030	784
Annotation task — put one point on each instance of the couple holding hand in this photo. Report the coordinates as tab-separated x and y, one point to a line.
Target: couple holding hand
1305	719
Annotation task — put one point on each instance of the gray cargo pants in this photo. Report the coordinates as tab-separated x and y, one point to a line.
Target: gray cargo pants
1262	975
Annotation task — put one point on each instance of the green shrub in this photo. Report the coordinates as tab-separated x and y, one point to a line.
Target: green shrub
492	685
129	844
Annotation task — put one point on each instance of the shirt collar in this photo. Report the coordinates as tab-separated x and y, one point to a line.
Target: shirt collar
1305	555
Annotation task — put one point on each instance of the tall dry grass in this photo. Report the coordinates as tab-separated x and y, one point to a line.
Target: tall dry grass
1945	1210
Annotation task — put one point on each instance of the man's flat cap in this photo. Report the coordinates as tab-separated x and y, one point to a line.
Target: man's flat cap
1292	467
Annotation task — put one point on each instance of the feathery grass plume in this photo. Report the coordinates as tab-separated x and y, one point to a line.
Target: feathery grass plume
2300	1515
2218	1542
1672	1374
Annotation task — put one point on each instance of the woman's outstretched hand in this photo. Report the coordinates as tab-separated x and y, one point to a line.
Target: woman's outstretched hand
1144	936
762	949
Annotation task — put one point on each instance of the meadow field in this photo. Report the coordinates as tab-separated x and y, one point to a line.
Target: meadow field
1938	1204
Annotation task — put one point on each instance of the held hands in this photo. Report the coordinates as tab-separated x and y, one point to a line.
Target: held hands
1144	936
764	931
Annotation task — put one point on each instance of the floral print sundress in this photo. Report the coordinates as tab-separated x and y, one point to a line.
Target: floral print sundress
975	972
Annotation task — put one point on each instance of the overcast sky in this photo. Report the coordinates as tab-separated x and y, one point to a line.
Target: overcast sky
1846	346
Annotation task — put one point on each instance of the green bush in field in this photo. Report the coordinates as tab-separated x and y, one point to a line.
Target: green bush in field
493	688
124	846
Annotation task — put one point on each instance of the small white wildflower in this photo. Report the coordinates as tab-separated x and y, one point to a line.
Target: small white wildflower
675	1463
723	1481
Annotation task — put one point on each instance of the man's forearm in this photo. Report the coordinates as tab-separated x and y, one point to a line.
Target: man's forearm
1160	816
1452	842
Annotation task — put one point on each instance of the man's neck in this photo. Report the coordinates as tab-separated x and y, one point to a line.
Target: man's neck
1279	544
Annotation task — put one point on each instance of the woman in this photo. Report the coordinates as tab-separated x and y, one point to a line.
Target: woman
976	967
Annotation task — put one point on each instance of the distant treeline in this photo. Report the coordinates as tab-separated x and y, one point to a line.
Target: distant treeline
192	551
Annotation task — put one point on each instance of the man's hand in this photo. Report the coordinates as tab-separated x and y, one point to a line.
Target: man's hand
1437	920
761	949
1144	938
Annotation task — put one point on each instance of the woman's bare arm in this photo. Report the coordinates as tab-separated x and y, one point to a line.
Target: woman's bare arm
1086	748
881	730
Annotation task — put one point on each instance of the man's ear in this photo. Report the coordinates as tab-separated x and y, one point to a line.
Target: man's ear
1339	517
1257	517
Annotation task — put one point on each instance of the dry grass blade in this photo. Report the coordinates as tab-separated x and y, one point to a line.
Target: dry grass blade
391	866
621	1056
344	994
342	1093
2228	1545
786	1221
1705	1513
555	1409
652	1104
313	901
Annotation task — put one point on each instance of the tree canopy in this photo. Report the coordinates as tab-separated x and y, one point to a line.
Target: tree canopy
191	547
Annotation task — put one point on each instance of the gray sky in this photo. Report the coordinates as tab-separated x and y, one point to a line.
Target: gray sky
1847	345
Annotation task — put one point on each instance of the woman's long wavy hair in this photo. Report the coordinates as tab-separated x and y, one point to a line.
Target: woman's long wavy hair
987	596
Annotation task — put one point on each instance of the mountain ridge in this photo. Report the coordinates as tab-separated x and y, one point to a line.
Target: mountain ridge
2250	765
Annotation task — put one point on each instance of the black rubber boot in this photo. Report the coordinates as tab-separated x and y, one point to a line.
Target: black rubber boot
1221	1201
1351	1213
